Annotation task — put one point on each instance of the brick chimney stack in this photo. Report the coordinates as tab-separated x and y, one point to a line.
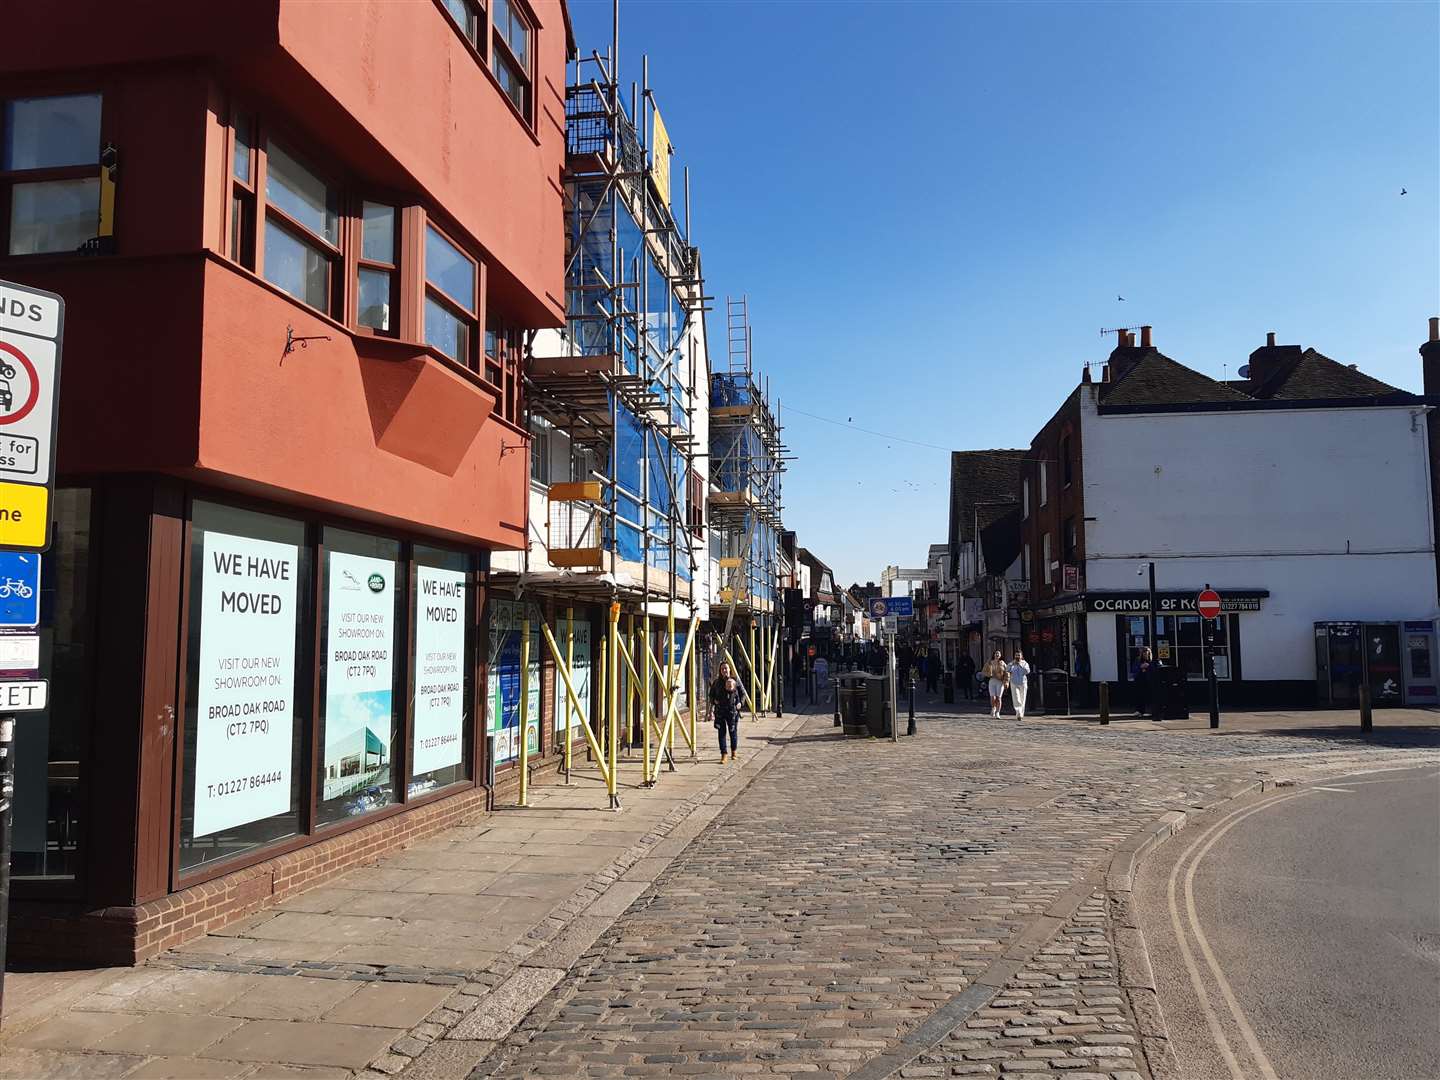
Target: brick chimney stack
1430	362
1430	359
1267	360
1145	337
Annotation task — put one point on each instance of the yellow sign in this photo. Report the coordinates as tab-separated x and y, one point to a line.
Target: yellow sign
24	515
660	151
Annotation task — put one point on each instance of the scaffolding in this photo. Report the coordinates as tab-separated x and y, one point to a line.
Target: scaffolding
747	464
625	388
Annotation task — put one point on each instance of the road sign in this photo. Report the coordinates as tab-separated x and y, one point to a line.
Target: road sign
19	589
882	606
32	325
1208	604
28	696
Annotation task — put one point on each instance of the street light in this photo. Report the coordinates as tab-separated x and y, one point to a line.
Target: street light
1150	620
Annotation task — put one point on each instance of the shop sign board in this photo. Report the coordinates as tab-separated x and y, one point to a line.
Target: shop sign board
503	691
19	589
439	669
886	606
1070	578
359	674
245	707
32	326
1232	600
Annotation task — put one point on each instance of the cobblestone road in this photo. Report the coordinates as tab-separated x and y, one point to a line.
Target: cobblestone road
855	888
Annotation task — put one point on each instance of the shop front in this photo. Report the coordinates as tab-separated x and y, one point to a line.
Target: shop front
248	698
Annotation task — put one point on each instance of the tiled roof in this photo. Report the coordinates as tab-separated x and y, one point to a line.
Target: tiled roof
1315	377
980	476
1155	379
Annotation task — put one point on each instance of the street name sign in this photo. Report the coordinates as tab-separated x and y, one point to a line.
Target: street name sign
1208	604
883	606
28	696
32	325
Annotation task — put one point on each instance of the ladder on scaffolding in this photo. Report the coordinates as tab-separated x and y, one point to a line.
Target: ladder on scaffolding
737	334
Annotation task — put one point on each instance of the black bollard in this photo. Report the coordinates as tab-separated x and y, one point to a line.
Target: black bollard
1104	703
910	730
1366	720
1214	696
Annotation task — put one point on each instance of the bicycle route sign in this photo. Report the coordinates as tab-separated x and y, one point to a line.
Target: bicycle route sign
19	590
32	326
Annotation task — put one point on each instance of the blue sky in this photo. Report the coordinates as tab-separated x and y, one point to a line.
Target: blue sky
932	208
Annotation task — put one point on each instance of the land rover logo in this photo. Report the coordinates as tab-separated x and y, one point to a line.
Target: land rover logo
376	583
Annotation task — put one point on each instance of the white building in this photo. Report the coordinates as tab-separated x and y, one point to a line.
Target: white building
1302	494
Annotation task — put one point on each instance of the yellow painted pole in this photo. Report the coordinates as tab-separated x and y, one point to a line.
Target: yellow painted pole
569	667
614	649
603	694
524	712
764	665
572	701
750	660
694	692
672	679
645	702
630	688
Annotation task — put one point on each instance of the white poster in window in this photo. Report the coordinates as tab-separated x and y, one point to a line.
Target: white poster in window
245	690
439	673
579	675
359	674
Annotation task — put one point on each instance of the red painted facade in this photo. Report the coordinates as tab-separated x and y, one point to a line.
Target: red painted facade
178	384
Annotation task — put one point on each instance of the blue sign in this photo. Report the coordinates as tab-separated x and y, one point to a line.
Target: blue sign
902	606
19	589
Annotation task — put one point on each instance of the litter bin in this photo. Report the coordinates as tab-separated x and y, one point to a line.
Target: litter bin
1055	692
1170	687
878	713
853	700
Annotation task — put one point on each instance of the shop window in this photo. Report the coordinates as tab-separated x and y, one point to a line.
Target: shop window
377	270
1180	642
359	708
302	229
47	836
246	701
510	54
451	303
441	666
49	173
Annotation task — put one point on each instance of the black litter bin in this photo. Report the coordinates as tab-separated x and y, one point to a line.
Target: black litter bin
1169	684
853	700
878	714
1055	692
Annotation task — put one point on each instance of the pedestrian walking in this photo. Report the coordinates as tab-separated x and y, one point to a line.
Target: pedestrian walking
965	673
1140	676
1082	673
725	711
1019	674
997	677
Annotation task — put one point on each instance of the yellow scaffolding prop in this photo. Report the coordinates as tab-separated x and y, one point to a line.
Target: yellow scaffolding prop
665	727
694	687
613	689
569	666
749	662
572	705
525	712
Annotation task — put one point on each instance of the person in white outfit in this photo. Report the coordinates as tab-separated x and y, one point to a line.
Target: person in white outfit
1019	673
997	674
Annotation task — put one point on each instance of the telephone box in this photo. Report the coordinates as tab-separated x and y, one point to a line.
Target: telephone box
1396	660
1422	687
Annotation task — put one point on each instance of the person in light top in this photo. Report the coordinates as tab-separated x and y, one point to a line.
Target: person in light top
997	675
1019	673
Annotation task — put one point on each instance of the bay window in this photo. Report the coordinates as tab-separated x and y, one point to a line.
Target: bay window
451	297
302	230
49	173
375	277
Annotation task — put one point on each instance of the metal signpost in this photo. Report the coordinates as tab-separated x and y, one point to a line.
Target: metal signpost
32	327
1208	605
891	609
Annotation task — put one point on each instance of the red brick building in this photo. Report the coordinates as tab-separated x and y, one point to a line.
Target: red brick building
300	246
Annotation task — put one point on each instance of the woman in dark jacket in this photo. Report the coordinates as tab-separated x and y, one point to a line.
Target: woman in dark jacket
725	710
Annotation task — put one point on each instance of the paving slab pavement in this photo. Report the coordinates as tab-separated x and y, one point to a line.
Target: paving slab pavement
373	967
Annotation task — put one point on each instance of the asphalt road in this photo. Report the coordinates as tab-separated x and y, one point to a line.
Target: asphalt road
1297	935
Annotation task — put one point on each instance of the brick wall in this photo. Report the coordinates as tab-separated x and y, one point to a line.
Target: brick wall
46	932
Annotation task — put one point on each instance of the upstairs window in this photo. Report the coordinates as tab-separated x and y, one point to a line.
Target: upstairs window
510	55
302	230
377	269
49	173
502	367
1043	492
470	17
242	194
1067	467
451	298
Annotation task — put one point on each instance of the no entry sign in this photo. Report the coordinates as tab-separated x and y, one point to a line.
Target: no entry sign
31	329
1208	604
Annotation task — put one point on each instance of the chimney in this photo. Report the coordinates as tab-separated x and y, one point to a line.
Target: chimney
1430	359
1145	337
1085	376
1267	360
1105	373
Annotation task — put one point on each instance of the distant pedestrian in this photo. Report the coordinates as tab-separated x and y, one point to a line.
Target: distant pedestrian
997	676
932	672
725	710
1140	675
1019	674
1082	673
965	673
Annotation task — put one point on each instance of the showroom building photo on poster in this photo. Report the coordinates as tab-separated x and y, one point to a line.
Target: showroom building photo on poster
506	617
246	685
440	604
359	682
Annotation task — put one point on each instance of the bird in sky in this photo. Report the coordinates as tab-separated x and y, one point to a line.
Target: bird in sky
1119	297
1404	192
